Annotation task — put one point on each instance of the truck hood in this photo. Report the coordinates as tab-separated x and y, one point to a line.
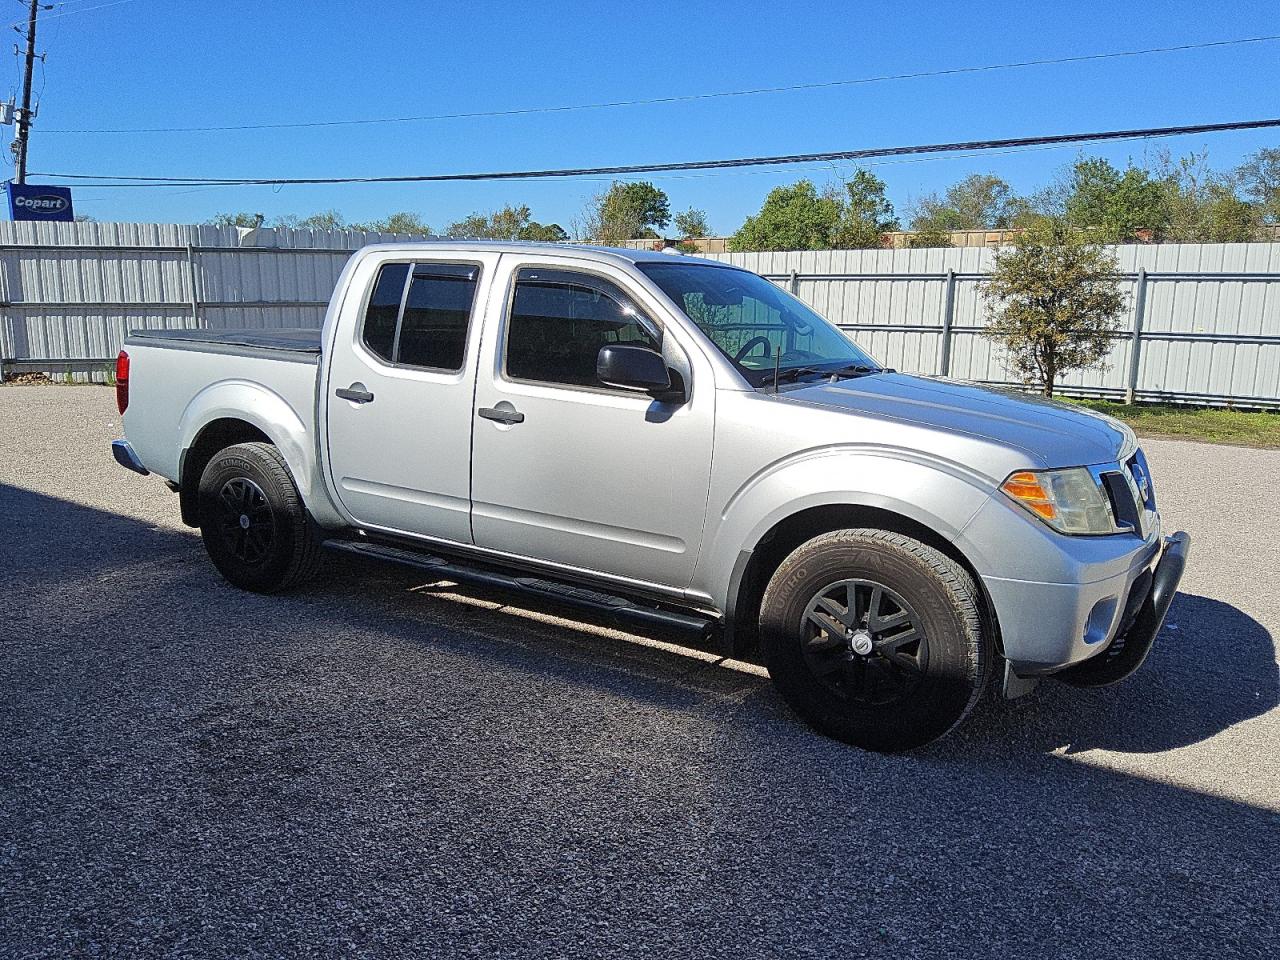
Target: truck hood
1052	433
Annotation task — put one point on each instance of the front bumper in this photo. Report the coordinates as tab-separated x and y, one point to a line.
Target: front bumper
1128	651
1048	625
1058	628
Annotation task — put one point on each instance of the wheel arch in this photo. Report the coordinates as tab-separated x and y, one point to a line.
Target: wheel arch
240	411
757	562
215	435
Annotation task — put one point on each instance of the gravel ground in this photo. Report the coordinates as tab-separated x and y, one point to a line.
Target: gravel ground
377	767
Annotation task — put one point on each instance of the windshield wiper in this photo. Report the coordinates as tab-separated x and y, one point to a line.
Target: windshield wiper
859	370
789	374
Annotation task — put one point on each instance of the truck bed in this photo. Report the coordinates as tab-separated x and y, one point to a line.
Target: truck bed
274	342
265	376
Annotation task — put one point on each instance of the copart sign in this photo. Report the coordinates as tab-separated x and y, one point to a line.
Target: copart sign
29	201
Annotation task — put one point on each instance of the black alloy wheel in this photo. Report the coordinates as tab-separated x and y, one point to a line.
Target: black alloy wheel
864	642
246	523
255	526
875	638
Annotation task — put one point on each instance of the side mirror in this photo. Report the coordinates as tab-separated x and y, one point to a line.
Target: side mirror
634	368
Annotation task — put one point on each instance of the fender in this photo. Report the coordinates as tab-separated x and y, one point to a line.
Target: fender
939	494
269	412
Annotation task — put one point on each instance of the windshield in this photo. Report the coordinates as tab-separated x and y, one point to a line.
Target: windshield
758	325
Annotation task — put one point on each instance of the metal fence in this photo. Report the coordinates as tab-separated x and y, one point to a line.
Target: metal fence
70	292
1202	323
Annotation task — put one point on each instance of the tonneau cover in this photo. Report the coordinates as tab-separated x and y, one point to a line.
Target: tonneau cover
297	340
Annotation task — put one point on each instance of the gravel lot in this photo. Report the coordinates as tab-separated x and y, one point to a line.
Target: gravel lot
376	767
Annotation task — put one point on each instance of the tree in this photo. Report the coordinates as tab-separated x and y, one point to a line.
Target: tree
931	214
504	224
627	211
509	223
401	222
242	219
692	223
1222	217
404	222
1054	301
799	217
795	217
981	201
1203	206
1259	180
866	214
545	232
1115	207
324	220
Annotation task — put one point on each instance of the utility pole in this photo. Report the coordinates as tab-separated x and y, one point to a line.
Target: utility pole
23	133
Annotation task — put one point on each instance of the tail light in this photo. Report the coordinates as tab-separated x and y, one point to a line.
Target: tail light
122	381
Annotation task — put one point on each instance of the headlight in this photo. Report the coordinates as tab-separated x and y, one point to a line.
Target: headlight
1070	501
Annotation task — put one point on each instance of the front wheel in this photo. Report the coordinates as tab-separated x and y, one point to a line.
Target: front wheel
875	638
253	522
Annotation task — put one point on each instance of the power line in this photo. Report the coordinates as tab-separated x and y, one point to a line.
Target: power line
682	98
62	4
70	13
113	180
830	166
817	167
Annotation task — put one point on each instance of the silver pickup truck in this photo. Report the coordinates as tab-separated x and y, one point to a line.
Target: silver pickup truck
671	441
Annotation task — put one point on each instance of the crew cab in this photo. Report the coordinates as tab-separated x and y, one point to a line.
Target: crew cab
672	441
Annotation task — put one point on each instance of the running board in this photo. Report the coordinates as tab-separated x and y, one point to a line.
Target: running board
619	608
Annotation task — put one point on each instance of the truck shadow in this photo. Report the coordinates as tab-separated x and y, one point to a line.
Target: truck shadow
417	731
1212	667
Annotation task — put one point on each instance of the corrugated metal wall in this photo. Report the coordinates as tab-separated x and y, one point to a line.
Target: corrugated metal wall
1209	328
71	291
1210	319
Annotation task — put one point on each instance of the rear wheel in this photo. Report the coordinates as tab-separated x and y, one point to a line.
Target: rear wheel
875	638
253	522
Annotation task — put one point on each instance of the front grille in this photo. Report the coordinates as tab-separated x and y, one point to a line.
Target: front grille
1141	474
1124	504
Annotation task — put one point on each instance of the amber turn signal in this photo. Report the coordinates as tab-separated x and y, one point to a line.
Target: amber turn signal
1025	487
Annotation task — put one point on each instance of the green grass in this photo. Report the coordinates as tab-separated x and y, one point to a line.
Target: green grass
1211	425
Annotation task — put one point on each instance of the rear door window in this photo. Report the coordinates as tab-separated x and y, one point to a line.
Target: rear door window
419	314
437	313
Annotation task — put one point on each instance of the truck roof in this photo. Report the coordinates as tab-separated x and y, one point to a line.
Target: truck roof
587	251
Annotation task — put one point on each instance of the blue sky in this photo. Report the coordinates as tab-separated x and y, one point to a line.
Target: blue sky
196	62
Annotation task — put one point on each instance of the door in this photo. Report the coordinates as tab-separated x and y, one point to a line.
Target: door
568	470
400	391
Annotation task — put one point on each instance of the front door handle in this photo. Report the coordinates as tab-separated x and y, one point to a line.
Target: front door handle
356	393
503	414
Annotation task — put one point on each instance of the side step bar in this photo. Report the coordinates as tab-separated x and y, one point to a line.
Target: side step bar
619	608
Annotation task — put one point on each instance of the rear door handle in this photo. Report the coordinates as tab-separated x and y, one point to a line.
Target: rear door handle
507	414
356	393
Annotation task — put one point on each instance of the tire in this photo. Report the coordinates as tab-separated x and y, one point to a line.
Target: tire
897	683
253	522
